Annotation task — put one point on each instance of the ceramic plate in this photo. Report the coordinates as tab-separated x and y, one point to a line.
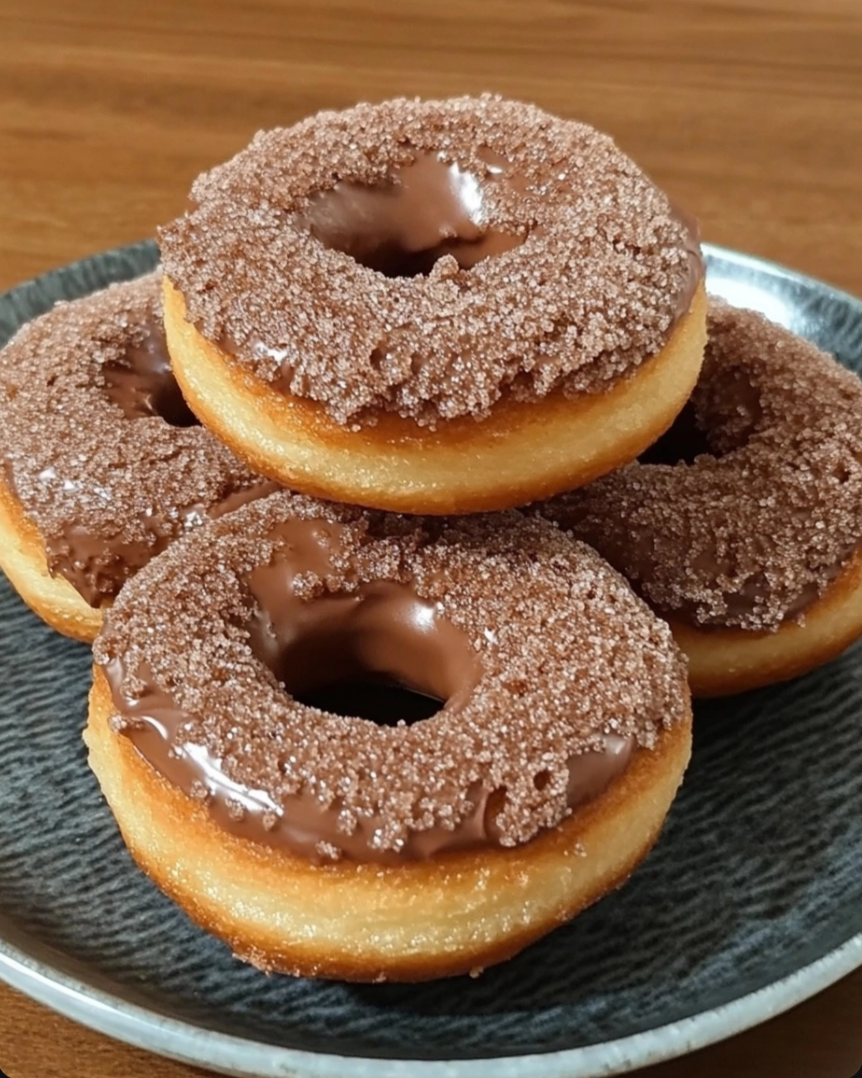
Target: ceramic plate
751	901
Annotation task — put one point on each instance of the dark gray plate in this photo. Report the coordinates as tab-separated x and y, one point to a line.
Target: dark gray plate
751	901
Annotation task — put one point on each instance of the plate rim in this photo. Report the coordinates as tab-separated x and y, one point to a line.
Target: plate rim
243	1057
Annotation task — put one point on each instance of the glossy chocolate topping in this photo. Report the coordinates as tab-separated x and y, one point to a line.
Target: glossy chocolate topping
695	265
96	443
380	627
498	617
300	823
142	384
420	213
743	514
427	257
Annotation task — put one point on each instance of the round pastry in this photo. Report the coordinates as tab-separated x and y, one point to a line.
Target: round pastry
742	526
433	307
261	756
101	462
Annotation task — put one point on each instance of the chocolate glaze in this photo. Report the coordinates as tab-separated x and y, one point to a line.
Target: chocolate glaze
526	255
427	210
98	565
95	566
750	506
97	444
379	628
300	823
423	211
753	594
567	657
696	267
142	383
238	498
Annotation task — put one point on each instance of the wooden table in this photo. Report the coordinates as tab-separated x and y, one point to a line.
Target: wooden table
747	111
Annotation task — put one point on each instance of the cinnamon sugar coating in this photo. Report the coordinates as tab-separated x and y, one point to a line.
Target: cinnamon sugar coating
604	270
105	491
752	531
566	654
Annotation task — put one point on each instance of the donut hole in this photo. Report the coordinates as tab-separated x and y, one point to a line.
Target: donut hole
335	671
379	653
375	697
170	405
423	212
730	417
682	443
142	384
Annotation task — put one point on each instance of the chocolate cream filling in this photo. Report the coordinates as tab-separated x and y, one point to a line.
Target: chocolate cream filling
380	634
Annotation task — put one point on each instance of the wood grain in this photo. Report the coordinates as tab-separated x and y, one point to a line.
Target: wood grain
747	111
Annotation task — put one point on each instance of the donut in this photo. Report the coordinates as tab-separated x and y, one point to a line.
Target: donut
320	834
102	464
742	526
433	307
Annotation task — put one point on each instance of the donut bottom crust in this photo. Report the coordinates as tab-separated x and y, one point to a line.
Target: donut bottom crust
726	661
455	914
23	560
522	452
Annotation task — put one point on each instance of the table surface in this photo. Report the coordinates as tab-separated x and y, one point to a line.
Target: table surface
747	111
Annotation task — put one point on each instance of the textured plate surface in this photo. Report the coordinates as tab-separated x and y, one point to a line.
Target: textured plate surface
751	901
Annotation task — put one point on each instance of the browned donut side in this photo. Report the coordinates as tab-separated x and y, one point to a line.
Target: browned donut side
522	451
22	559
725	661
367	922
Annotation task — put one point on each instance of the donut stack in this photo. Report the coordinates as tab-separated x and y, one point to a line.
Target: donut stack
355	712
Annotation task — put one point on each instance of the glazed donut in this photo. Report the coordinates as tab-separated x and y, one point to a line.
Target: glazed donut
433	307
319	842
742	526
86	496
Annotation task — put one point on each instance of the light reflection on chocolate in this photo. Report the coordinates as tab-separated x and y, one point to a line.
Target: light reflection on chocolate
142	384
382	628
425	210
97	566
